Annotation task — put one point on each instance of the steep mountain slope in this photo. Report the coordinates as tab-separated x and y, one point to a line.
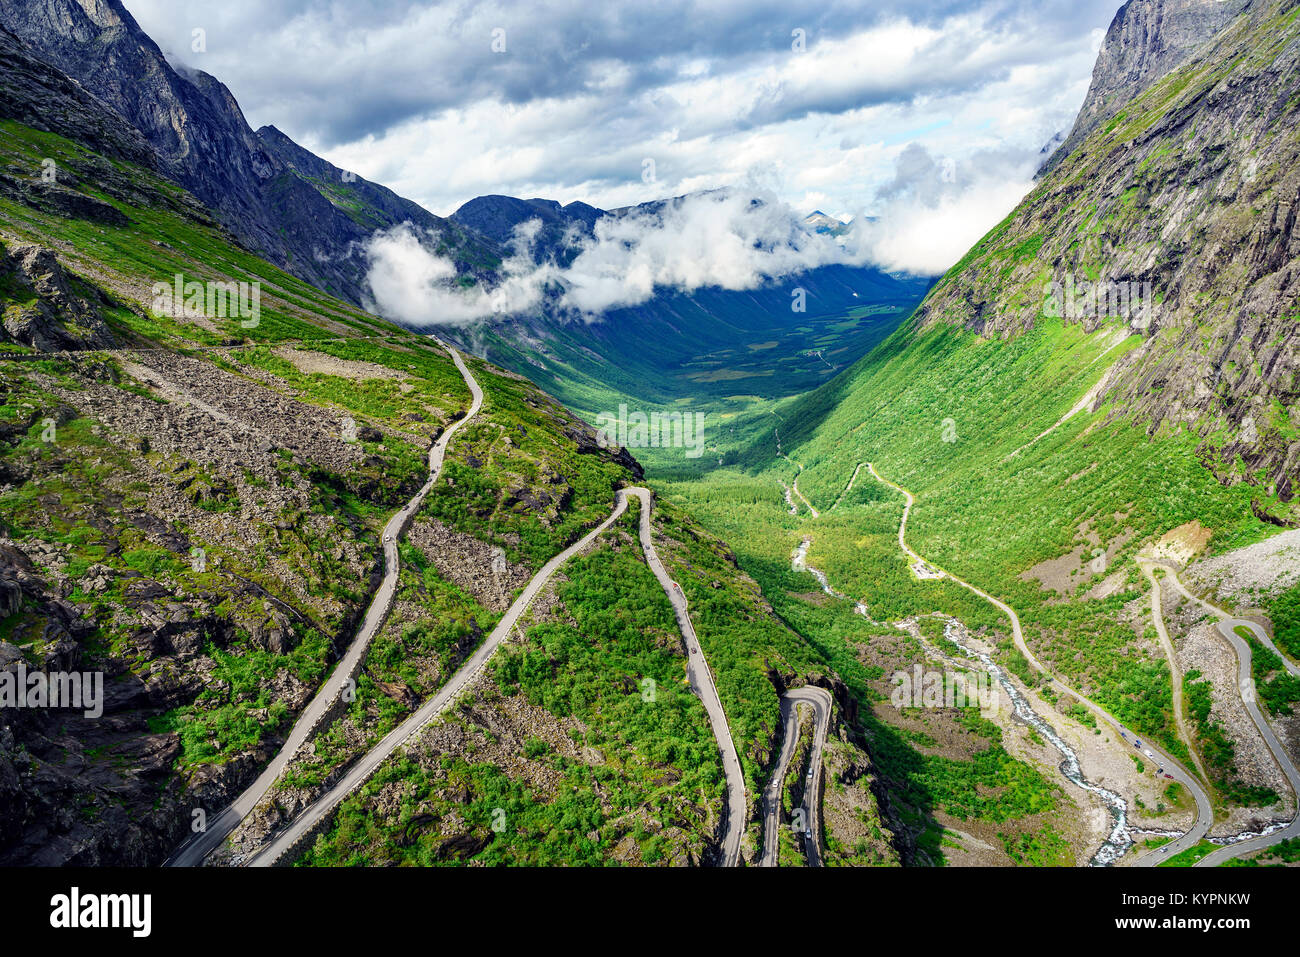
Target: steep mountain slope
44	98
1191	189
1145	41
1049	447
191	503
277	199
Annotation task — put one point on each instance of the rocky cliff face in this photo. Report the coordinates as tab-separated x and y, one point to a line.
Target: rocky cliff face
37	95
276	198
45	307
1146	40
1193	187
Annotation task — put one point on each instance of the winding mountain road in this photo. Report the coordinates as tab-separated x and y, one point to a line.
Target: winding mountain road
820	701
440	702
1227	626
1175	674
193	851
795	486
701	680
1204	810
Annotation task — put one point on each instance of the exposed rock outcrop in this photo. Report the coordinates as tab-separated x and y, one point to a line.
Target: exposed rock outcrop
44	307
1146	39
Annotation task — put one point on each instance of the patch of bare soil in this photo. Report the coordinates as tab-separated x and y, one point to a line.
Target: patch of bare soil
320	363
1111	584
1081	564
1183	543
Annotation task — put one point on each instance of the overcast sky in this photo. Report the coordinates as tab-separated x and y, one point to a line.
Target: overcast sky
930	109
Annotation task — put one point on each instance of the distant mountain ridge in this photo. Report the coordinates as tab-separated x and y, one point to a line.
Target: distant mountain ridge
276	198
681	343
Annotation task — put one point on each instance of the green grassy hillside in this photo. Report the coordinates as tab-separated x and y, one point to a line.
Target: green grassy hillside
195	510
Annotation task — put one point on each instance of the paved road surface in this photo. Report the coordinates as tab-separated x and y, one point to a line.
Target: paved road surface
1175	675
1246	685
819	700
701	679
440	702
1204	810
697	669
196	848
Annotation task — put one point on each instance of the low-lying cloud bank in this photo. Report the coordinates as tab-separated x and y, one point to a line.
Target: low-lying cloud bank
930	214
731	240
414	285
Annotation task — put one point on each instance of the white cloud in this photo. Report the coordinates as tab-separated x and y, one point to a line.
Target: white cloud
732	240
410	284
409	93
927	240
935	207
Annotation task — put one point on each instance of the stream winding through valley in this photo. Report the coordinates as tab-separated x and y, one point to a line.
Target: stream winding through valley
1120	840
1121	837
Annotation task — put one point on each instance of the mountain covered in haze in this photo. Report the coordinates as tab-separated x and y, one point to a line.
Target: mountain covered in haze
782	335
821	223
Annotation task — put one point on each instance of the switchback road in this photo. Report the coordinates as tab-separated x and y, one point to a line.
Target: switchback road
819	701
1204	810
196	848
701	679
